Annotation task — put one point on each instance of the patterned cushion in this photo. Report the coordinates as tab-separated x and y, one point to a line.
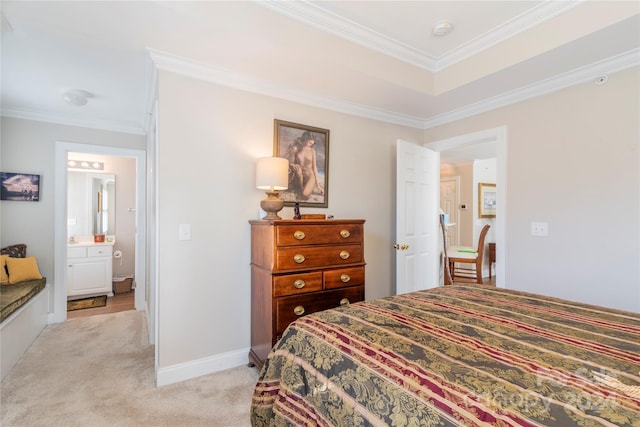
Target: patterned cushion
14	296
15	251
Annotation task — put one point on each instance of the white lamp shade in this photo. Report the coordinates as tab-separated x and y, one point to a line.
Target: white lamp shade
272	173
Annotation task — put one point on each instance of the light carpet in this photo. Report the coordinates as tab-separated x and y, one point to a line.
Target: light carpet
99	371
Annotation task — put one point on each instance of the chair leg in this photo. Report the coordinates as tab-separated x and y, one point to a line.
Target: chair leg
479	274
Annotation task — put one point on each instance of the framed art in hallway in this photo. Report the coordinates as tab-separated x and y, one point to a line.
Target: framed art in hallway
486	200
19	187
307	149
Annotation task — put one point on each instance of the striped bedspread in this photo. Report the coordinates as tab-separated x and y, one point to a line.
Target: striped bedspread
456	355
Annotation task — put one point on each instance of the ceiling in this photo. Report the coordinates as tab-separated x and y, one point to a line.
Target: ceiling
376	59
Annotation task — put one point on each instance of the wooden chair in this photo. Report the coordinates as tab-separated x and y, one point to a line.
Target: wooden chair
468	255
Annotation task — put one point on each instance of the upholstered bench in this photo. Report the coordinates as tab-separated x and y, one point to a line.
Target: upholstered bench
12	297
24	304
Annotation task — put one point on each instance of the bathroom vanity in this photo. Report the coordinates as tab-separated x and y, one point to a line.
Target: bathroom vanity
89	269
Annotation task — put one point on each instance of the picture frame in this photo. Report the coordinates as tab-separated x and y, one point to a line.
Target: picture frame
307	149
486	200
19	187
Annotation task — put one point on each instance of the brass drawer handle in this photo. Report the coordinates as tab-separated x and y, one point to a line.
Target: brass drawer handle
299	284
299	258
345	278
345	233
299	310
299	235
344	301
344	254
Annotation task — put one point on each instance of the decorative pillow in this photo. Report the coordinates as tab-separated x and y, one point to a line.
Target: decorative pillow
4	277
21	269
15	251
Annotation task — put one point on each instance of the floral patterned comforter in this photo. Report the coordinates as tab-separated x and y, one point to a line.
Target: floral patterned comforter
455	355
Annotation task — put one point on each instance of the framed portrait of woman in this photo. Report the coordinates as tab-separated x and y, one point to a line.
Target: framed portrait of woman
307	149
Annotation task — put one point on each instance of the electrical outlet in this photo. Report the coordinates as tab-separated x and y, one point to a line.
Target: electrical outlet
540	229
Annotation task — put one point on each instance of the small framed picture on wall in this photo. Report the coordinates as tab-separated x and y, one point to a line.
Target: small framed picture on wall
486	200
19	187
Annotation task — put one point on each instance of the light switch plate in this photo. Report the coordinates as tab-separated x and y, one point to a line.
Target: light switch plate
540	229
185	231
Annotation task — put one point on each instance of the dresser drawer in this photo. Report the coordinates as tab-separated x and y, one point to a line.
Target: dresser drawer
317	256
292	284
290	308
343	277
293	235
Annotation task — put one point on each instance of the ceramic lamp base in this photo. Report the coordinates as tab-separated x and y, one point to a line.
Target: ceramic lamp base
272	205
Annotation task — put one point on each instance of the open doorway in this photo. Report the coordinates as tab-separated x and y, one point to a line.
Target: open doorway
490	143
63	148
101	229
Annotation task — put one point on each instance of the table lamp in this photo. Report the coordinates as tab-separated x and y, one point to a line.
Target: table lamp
272	175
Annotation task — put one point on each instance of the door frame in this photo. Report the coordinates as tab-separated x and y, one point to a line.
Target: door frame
499	135
455	179
59	298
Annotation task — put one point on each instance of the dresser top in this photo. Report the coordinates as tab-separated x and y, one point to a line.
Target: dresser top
305	221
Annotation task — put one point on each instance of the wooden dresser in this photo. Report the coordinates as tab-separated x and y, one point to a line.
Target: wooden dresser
300	267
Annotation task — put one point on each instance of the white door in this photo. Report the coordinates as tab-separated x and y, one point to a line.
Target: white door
417	218
449	202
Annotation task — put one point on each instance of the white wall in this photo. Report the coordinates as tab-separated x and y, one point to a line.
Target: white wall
573	161
28	146
206	176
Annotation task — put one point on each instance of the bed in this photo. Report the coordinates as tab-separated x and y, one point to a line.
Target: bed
455	355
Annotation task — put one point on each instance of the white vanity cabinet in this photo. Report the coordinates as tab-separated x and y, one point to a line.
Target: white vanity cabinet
89	270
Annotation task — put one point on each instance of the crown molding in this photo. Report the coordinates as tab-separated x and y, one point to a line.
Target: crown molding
521	23
578	76
314	15
20	113
172	63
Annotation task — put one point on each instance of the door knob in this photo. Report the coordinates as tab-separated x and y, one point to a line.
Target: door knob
402	247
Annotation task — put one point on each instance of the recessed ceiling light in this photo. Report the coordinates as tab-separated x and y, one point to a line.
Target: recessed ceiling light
442	28
77	97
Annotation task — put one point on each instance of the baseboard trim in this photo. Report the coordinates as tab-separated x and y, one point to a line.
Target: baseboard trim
197	368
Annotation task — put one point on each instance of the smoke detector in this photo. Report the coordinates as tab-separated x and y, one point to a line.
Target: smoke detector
442	28
77	97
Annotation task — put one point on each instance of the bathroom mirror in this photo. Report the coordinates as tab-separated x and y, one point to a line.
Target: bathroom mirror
90	203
